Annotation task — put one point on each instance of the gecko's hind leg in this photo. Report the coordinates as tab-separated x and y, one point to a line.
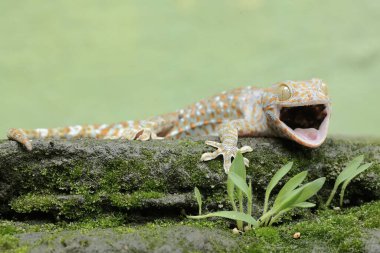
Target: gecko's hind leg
145	130
148	134
21	137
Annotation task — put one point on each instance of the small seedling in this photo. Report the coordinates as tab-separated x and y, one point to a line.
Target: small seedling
291	195
352	169
198	196
236	186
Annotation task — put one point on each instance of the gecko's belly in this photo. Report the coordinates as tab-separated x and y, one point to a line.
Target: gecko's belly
213	130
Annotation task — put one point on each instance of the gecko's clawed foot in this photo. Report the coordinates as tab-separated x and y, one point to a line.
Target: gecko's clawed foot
147	134
227	151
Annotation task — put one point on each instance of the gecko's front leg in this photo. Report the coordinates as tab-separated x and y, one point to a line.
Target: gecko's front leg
228	134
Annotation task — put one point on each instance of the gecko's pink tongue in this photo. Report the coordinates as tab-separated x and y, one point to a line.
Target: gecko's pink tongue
307	133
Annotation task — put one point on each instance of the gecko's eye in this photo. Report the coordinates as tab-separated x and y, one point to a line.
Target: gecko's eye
324	89
284	92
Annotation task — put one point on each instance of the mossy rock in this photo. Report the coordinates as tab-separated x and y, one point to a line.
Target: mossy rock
79	178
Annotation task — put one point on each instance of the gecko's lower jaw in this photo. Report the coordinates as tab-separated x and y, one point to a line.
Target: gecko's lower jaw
306	124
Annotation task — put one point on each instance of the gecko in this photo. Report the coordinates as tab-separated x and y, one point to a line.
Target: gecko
295	110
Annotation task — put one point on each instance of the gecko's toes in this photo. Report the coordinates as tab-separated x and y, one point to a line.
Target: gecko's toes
28	146
147	134
209	156
227	163
246	149
246	162
228	152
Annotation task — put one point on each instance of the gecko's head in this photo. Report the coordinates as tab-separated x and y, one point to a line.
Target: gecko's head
299	110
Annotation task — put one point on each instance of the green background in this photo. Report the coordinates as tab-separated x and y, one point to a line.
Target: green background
75	62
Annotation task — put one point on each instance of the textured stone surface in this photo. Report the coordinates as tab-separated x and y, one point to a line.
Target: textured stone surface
178	239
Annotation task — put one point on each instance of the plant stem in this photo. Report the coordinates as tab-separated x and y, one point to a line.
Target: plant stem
263	219
275	218
249	201
240	196
328	202
265	206
342	193
233	204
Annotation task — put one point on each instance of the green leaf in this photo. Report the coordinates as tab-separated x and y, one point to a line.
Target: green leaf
304	205
238	166
288	201
361	169
239	182
274	181
233	215
310	189
198	196
293	183
350	169
230	193
299	195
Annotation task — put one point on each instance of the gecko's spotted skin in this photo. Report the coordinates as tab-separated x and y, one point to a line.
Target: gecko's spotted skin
296	110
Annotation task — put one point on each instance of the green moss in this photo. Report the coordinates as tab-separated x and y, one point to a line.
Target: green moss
130	175
77	206
71	207
133	200
31	202
11	244
333	231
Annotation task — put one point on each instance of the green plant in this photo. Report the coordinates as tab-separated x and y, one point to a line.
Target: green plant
291	195
237	188
352	169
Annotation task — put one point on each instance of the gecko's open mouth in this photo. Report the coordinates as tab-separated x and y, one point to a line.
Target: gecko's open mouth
308	124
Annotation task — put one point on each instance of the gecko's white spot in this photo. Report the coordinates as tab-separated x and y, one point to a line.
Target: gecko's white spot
42	132
101	127
74	130
110	132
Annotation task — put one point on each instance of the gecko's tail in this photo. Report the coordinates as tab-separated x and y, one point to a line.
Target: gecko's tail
20	136
24	136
